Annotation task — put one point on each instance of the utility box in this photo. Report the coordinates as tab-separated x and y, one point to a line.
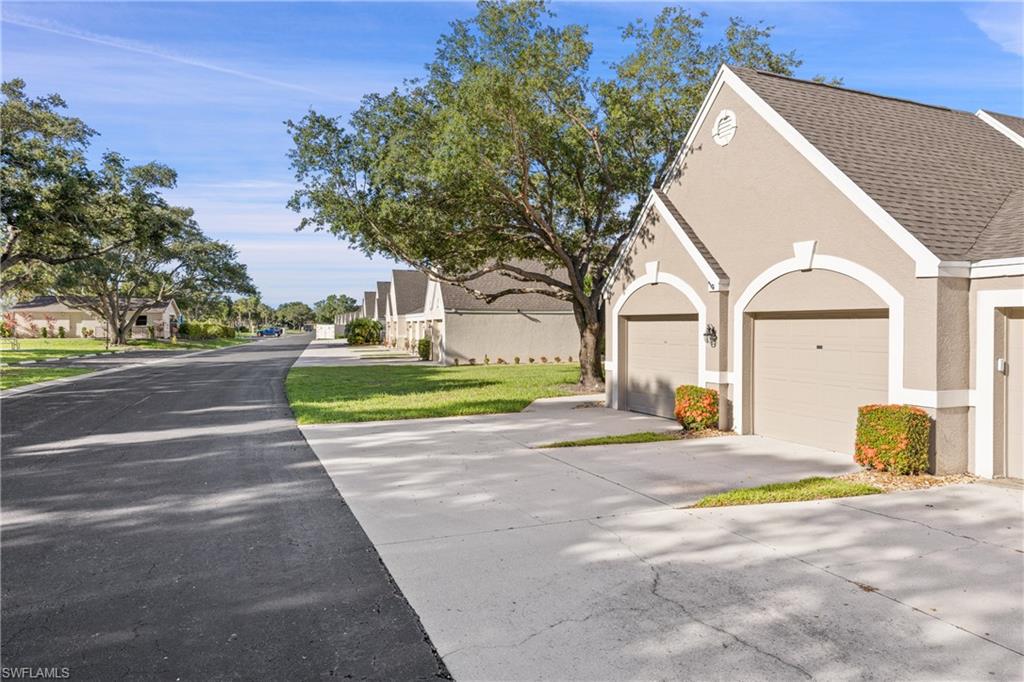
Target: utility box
327	331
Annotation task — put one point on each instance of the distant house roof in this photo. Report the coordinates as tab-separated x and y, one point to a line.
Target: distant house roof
410	291
946	176
370	304
457	298
76	301
383	290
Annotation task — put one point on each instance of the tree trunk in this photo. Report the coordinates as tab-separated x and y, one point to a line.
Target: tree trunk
591	325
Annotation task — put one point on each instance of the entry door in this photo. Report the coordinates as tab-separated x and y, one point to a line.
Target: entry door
661	354
812	373
1013	353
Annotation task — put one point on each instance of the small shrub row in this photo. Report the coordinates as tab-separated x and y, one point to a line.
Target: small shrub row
205	329
696	407
893	438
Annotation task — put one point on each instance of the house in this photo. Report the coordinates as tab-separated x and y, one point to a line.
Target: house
817	248
465	329
404	310
383	291
51	314
369	309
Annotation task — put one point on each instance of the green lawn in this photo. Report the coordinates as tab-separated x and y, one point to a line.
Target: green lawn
817	488
621	439
19	376
42	349
320	395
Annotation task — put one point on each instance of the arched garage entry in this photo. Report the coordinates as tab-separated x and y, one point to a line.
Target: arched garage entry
816	348
657	334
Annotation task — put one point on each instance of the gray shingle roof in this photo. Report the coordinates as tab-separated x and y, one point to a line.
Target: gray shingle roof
410	291
382	298
370	304
1014	123
704	251
944	175
457	298
72	301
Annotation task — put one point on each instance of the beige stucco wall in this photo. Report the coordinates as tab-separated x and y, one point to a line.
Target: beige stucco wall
749	202
75	321
507	335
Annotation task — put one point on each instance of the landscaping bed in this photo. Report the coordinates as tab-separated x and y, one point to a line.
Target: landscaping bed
889	482
322	395
640	437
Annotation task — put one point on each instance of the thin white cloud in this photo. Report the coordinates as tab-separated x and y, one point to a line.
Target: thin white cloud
153	51
1002	22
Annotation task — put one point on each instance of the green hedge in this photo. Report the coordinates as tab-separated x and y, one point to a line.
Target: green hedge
208	329
363	330
893	438
696	407
423	348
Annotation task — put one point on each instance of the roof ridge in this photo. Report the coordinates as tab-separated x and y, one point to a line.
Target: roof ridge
852	90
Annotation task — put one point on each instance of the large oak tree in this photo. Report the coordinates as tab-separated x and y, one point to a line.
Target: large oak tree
509	148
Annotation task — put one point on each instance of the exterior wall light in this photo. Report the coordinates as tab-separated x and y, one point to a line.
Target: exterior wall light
711	336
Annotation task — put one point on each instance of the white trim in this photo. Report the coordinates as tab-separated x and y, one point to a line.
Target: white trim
715	283
1000	126
997	267
695	300
718	377
926	262
952	397
984	373
872	280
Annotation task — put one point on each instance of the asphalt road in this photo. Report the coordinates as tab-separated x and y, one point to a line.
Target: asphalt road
170	521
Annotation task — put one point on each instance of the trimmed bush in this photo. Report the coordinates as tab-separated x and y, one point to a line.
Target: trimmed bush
893	438
696	407
208	329
363	330
61	332
423	349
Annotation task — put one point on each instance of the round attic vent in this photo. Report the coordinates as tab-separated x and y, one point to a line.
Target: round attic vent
724	128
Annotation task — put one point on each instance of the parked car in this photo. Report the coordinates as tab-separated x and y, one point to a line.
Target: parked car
269	331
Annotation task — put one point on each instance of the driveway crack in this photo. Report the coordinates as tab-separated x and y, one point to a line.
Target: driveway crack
654	590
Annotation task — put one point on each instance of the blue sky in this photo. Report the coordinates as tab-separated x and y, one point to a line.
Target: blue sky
205	87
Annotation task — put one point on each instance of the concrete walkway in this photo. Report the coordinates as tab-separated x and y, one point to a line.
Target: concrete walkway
328	353
527	564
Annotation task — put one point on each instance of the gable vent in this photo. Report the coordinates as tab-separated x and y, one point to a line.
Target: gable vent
725	127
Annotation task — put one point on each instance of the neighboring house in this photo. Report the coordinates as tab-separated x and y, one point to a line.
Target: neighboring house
383	291
404	309
463	328
46	312
369	309
816	249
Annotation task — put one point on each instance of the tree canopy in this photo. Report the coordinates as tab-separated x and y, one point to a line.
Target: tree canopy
294	314
328	309
510	148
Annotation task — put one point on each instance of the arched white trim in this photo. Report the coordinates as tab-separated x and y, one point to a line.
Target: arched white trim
984	374
869	278
655	277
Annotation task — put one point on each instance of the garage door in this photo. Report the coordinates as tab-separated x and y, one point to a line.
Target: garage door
811	374
661	354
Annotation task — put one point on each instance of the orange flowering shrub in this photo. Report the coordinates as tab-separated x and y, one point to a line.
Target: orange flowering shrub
696	407
893	438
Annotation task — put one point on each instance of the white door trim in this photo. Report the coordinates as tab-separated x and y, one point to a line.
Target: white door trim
869	278
984	374
654	276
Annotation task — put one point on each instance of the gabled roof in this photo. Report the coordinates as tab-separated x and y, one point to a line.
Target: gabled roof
370	304
383	290
457	298
943	175
74	301
410	291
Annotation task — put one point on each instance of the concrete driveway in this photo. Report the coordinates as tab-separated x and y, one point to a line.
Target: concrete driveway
580	564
